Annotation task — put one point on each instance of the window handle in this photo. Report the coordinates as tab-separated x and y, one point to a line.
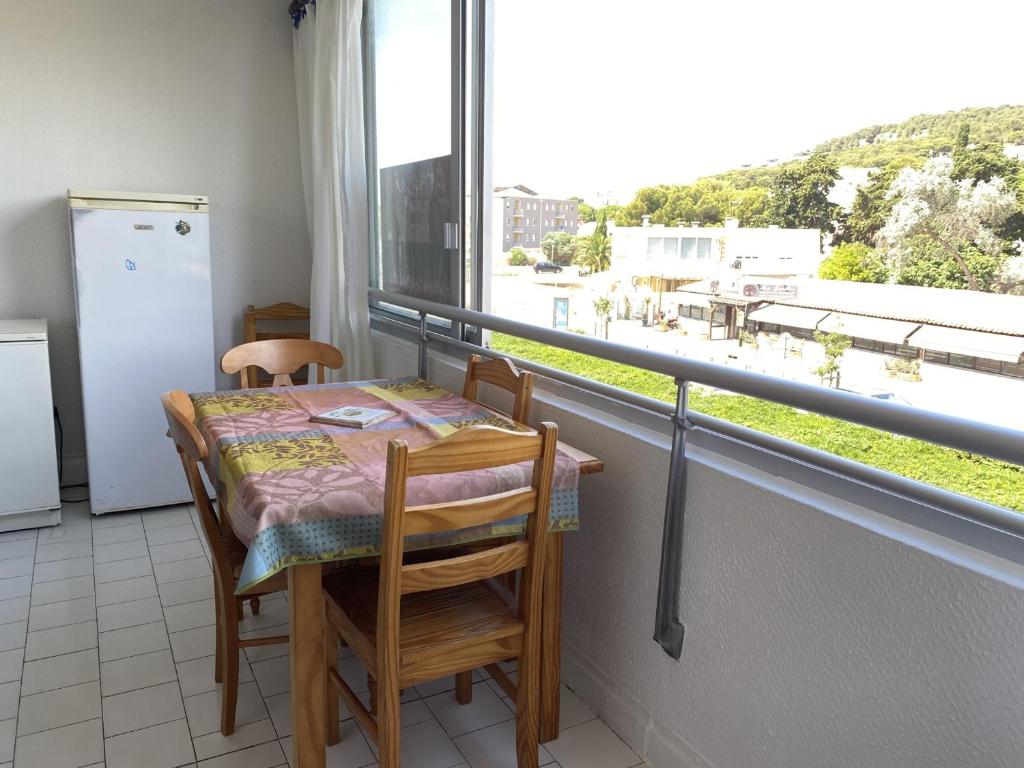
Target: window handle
451	235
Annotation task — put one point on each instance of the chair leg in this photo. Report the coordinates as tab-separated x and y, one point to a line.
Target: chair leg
331	695
527	712
388	726
240	608
218	661
254	606
229	692
371	684
464	687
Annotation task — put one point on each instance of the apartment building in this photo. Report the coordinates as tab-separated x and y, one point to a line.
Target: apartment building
521	217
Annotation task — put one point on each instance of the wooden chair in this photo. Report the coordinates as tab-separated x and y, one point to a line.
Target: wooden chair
228	555
282	315
280	358
501	373
420	621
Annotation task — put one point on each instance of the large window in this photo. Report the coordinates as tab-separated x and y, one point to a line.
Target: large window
505	133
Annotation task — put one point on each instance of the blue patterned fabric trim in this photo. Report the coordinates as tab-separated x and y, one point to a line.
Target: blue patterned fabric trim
344	538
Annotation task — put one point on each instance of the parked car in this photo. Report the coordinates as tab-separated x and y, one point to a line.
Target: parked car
546	266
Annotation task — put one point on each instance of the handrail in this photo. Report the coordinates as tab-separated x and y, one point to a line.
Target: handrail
942	429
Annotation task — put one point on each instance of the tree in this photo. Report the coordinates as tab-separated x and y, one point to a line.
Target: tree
647	201
594	252
517	257
983	161
559	247
603	311
586	211
951	214
871	207
854	261
926	263
608	212
799	194
707	202
834	345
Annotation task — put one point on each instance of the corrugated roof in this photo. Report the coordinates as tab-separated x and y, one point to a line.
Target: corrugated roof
971	310
877	328
958	341
797	317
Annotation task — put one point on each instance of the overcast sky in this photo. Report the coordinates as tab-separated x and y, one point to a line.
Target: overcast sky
593	95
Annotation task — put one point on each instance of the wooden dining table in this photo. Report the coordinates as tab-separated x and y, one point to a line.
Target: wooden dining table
302	494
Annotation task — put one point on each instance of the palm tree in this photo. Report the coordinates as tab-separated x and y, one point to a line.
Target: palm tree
595	252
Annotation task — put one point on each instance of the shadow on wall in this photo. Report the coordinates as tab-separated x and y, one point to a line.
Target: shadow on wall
37	281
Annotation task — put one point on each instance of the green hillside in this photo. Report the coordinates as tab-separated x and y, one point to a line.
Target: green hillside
923	135
907	142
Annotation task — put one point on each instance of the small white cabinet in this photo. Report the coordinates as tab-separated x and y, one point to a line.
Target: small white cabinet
29	487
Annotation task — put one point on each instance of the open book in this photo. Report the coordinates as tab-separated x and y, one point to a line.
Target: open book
352	416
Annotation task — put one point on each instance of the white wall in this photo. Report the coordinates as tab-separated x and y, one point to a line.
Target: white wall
191	96
819	633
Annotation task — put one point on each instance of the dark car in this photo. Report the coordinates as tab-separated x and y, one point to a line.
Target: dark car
546	266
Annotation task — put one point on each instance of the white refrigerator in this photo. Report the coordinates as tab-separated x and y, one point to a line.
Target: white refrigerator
145	326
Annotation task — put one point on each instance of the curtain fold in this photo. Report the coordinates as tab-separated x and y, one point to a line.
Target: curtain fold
332	144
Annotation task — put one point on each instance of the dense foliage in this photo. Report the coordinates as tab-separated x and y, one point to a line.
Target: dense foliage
857	262
969	474
943	207
922	136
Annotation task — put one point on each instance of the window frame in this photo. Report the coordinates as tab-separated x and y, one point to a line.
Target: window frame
457	212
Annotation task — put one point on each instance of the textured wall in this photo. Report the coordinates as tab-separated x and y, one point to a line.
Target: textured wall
811	641
190	96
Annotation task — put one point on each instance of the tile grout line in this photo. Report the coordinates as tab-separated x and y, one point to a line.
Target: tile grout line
170	647
96	611
21	679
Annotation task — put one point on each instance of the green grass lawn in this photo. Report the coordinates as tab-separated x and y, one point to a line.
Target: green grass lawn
978	476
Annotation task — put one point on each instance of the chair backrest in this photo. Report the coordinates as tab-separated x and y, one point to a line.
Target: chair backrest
276	313
472	448
501	373
181	416
284	313
280	358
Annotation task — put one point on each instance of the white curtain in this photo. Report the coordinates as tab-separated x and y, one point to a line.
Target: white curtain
329	87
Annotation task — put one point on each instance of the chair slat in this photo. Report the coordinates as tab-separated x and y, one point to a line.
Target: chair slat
438	518
465	451
454	571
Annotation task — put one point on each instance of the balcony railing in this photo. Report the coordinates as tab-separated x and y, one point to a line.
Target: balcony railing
942	429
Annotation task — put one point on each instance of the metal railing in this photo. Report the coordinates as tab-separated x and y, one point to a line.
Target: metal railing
942	429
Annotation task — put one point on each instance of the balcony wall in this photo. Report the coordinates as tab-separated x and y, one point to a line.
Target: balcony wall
821	628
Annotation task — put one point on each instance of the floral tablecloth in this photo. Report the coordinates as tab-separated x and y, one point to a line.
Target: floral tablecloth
298	491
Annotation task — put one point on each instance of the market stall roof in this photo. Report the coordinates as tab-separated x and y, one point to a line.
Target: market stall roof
875	328
690	298
993	346
782	314
955	308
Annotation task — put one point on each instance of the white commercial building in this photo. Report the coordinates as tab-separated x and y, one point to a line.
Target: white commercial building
687	254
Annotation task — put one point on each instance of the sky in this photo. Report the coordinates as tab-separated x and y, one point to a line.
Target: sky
593	96
596	96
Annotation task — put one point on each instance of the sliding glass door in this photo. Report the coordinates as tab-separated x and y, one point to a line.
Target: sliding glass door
414	130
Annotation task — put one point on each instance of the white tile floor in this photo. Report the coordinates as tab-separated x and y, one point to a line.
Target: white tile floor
106	659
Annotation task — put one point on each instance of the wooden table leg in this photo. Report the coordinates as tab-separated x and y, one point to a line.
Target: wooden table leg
551	641
309	676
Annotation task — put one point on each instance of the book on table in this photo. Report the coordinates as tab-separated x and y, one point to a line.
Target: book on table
352	416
